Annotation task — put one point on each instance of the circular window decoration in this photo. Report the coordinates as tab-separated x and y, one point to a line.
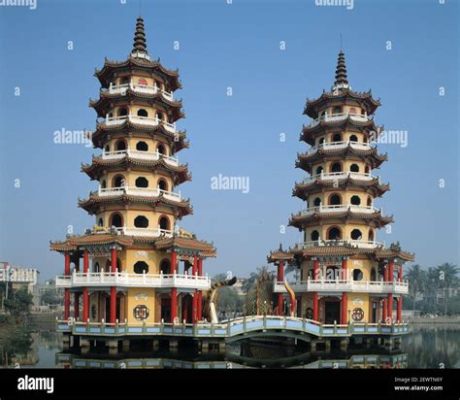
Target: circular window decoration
141	312
357	314
309	313
357	275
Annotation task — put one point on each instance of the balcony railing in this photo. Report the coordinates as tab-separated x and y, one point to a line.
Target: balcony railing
340	208
341	175
136	119
147	89
141	155
137	191
144	232
340	145
365	244
324	285
339	117
123	279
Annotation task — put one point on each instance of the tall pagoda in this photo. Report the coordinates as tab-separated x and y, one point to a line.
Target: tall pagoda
126	270
344	274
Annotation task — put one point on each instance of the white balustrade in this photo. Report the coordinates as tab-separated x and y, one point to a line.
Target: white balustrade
140	120
340	208
123	279
146	89
139	191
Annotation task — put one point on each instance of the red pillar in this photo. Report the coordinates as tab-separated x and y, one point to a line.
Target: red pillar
344	269
66	291
390	307
113	263
316	270
399	309
315	306
384	310
343	314
391	265
280	278
85	304
199	300
113	305
76	305
400	273
85	290
173	304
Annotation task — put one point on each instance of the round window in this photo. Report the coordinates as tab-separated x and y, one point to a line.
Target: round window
357	314
141	312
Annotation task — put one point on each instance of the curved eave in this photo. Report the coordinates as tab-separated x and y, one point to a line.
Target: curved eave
103	105
376	219
303	190
343	250
394	252
279	255
94	170
310	133
306	161
132	63
362	98
191	245
98	136
94	202
75	242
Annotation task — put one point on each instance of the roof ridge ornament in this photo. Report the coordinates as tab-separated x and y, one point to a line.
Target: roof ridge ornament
140	42
341	79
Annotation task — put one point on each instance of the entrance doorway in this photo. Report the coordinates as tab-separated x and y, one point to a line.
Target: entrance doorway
166	309
331	311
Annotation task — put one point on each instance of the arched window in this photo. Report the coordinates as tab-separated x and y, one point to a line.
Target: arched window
142	113
321	141
122	112
357	274
142	146
354	168
335	199
103	184
107	147
100	222
164	223
118	181
369	201
160	116
141	222
124	80
120	145
314	236
142	182
317	202
161	149
162	185
165	266
337	137
116	220
334	233
142	82
337	110
96	267
365	139
373	275
356	234
319	170
366	169
371	235
141	267
355	200
353	138
336	167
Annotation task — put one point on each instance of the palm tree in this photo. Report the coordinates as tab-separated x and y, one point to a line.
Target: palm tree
417	282
447	275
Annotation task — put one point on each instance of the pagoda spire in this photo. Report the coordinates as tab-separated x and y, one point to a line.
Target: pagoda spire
140	42
341	80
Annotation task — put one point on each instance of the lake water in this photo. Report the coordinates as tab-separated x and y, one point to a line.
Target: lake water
426	347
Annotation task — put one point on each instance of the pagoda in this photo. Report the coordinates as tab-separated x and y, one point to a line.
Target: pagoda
126	270
344	275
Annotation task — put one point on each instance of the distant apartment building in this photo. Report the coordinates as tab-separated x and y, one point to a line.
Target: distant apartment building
21	277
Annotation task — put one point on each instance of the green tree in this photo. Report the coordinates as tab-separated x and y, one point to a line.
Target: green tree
18	302
50	297
417	282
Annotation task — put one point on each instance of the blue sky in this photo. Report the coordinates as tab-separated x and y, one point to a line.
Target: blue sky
235	46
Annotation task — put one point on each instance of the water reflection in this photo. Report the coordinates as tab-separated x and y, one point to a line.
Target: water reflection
425	348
